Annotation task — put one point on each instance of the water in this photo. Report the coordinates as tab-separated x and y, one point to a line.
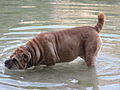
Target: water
20	20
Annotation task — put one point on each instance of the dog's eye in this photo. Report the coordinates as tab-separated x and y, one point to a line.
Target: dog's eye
24	56
14	60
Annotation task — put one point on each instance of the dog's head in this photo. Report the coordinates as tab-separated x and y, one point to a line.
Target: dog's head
20	59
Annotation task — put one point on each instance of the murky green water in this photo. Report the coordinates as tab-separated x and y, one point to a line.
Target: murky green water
20	20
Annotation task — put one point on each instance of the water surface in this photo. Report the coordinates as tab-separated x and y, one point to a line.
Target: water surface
20	20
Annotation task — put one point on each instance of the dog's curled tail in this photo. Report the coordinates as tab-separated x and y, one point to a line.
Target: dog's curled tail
100	23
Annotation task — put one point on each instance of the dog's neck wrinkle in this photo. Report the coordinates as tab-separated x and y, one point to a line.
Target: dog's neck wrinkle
35	60
29	50
37	50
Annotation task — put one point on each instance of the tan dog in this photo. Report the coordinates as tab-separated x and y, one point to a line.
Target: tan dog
60	46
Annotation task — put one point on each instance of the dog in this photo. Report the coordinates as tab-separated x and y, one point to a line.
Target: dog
49	48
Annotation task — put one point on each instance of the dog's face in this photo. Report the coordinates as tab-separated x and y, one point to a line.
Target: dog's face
20	59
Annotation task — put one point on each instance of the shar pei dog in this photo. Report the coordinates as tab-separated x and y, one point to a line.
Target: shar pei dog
49	48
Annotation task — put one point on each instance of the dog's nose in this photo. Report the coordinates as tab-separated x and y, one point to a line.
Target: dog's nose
6	62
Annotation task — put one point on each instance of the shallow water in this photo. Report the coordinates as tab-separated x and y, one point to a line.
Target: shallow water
21	20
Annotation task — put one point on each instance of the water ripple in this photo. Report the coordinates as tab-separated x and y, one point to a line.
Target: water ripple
16	38
22	33
113	77
110	35
41	27
3	75
31	84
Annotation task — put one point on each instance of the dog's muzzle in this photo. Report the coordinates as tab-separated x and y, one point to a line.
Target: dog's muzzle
7	64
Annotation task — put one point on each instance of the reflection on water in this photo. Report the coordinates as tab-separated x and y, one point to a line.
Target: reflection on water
21	20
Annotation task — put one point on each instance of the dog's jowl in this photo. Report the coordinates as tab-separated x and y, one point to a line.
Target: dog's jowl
61	46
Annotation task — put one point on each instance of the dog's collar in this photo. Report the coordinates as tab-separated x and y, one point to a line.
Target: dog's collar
26	46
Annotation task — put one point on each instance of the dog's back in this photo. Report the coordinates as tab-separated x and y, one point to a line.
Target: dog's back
80	41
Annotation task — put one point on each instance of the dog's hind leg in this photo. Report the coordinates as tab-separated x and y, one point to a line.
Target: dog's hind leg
91	51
